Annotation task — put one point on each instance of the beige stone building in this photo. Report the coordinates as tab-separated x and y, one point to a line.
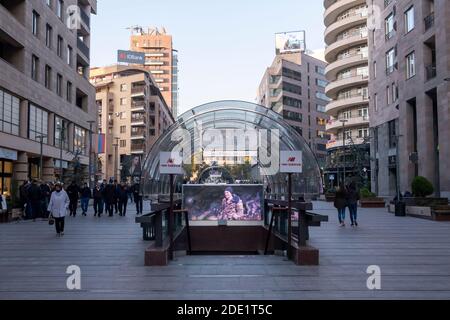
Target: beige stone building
409	94
161	59
347	56
294	87
132	114
44	88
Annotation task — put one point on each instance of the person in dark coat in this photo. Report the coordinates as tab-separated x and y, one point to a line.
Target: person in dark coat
73	192
340	202
108	196
116	196
86	195
98	196
46	192
123	199
352	203
136	189
34	197
23	194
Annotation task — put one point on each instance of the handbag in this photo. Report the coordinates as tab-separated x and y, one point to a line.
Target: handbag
51	220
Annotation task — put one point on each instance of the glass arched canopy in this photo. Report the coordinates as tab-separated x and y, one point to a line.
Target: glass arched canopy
244	138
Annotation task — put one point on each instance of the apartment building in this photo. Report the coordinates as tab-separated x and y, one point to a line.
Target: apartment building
346	37
294	86
409	94
132	114
161	61
45	94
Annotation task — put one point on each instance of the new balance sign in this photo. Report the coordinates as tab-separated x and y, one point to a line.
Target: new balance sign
130	57
170	163
291	162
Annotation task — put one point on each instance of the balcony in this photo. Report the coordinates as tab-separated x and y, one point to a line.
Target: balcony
343	43
138	120
334	125
337	8
339	104
85	18
339	143
84	49
349	61
137	91
334	87
138	135
430	71
138	106
137	148
352	20
429	21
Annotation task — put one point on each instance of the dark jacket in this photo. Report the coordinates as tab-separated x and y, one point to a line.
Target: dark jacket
45	191
86	193
340	200
352	196
123	194
73	192
98	193
136	189
23	190
34	193
109	193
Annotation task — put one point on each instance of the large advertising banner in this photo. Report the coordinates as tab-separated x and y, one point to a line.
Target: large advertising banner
131	167
130	57
291	162
224	202
288	42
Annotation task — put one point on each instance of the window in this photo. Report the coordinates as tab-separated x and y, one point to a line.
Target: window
321	108
37	124
61	133
123	87
9	113
292	88
409	19
60	9
347	114
348	134
35	23
293	116
389	26
59	47
292	74
123	129
320	70
48	36
410	65
363	113
374	69
48	77
321	83
69	55
321	95
79	140
394	89
375	102
123	143
390	61
59	80
49	3
363	133
288	101
34	68
392	134
123	101
69	91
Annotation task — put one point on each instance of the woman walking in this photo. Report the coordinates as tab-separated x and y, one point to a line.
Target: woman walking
340	202
352	202
58	206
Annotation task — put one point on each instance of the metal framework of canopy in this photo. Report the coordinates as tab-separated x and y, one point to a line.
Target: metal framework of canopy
231	115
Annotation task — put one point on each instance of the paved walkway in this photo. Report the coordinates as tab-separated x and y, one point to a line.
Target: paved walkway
413	254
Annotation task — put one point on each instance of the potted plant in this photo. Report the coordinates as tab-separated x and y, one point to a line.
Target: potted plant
370	199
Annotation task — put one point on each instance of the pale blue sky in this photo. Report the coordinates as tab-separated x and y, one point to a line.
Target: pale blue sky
224	45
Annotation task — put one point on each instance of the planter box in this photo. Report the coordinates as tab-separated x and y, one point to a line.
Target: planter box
373	203
436	213
425	202
330	197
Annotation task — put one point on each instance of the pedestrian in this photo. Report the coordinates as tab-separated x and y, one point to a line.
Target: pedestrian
109	198
45	198
98	200
34	194
130	193
73	192
86	195
123	199
340	202
23	194
58	206
137	198
116	196
352	203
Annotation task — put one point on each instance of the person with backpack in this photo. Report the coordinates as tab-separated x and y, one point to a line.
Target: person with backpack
340	203
86	195
352	203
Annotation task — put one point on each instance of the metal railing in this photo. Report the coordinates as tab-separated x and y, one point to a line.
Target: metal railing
429	21
83	47
85	18
431	71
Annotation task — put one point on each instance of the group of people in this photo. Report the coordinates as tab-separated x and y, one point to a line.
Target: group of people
347	196
34	198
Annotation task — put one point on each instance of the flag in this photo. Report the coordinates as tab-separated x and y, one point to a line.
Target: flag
101	143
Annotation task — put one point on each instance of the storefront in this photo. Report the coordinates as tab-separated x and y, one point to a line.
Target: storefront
7	157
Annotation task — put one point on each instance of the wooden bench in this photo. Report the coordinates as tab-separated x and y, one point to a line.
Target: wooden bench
440	213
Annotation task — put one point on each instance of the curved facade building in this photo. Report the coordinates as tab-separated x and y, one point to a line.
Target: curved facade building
347	71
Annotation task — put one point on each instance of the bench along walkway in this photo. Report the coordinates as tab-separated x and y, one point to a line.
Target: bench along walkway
413	254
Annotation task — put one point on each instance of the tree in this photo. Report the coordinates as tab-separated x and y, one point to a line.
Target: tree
421	187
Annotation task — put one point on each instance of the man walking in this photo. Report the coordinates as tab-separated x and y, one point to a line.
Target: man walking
73	192
137	198
86	195
98	200
34	194
123	199
109	198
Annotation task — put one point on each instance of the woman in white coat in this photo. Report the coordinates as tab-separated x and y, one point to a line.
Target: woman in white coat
58	206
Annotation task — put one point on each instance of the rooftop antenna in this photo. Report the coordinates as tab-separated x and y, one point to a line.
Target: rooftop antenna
136	30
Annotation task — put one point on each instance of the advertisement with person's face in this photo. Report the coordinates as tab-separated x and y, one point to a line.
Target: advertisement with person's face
223	202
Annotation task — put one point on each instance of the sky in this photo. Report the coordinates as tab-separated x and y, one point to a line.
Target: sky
224	46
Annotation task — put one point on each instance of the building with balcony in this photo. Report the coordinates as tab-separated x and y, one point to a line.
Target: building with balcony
132	114
161	60
409	95
294	86
45	93
347	71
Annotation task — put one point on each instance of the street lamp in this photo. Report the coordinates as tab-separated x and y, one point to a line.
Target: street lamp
91	179
116	156
41	142
344	121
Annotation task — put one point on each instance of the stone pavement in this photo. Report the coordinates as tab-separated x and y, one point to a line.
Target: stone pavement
413	254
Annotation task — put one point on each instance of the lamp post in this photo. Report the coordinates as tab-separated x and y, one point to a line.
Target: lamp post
91	178
61	140
41	156
116	155
344	121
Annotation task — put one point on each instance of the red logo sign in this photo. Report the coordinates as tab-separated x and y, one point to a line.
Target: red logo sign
291	159
170	161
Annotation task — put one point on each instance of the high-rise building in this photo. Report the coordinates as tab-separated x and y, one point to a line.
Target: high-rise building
161	59
409	90
132	114
294	87
347	54
45	94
